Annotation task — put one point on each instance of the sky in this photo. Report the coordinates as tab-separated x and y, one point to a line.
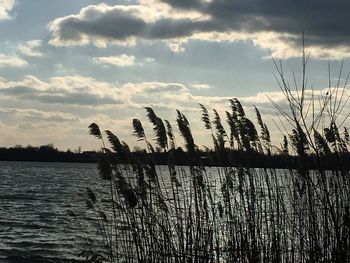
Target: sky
65	64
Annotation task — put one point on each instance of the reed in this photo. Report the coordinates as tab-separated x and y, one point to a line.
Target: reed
230	213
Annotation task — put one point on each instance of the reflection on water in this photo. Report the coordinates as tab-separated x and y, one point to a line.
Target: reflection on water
34	199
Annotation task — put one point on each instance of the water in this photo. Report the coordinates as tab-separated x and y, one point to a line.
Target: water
34	199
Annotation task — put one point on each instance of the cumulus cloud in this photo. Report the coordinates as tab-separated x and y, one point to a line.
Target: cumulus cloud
275	25
128	97
33	115
12	61
75	90
120	61
30	48
5	8
123	24
86	91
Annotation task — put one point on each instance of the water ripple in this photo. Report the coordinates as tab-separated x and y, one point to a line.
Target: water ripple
34	199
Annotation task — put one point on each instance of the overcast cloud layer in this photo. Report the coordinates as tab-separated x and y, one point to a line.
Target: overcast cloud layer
65	64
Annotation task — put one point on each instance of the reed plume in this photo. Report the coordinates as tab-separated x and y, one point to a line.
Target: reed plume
158	128
184	127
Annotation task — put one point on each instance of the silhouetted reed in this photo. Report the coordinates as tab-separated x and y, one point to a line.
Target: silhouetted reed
196	213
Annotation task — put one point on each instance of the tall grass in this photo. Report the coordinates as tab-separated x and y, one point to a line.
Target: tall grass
230	214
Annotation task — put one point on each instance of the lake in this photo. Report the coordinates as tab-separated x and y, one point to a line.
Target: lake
34	199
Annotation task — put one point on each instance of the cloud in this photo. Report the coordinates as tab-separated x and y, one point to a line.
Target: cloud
91	94
12	61
122	24
82	91
120	61
74	90
146	88
33	115
128	100
30	48
199	86
37	127
273	25
5	8
85	91
176	47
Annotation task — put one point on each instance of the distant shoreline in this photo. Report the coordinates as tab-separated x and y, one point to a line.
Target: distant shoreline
45	154
228	158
